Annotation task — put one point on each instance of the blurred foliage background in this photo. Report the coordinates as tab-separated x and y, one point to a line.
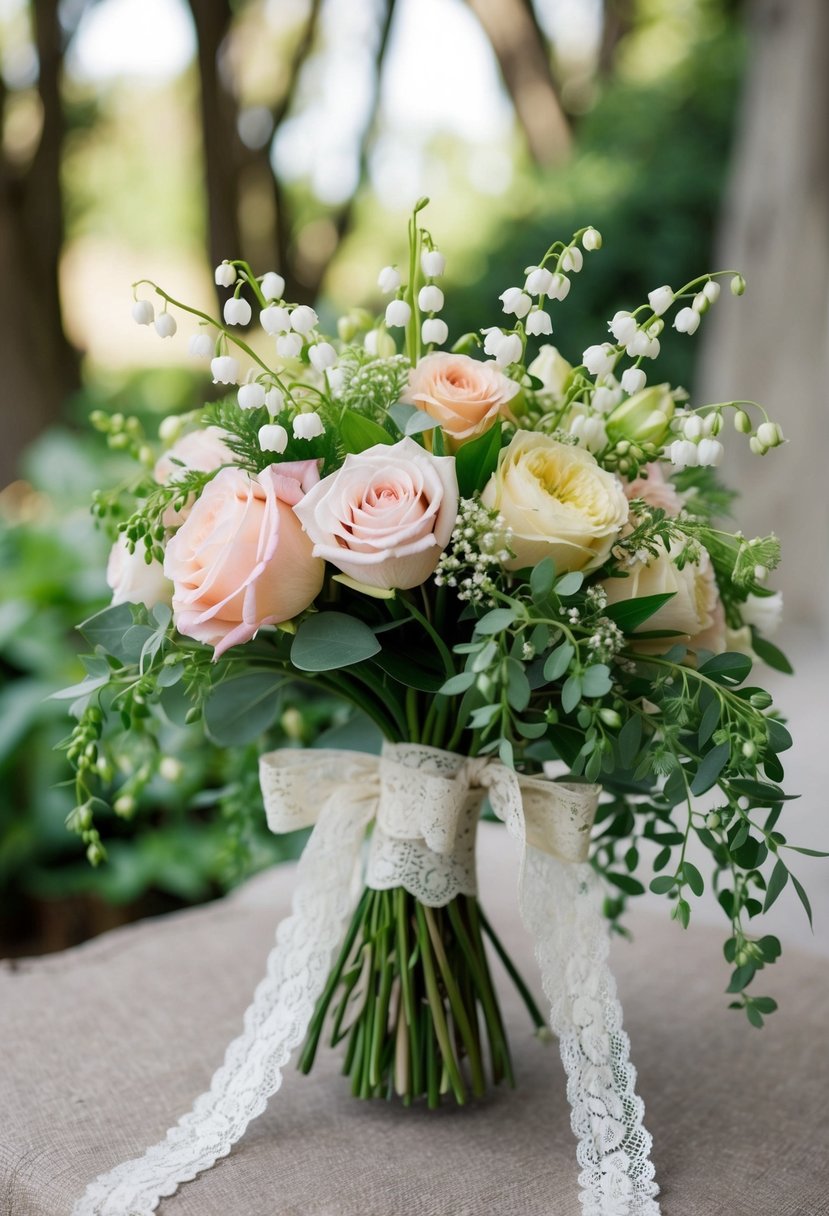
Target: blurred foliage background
154	137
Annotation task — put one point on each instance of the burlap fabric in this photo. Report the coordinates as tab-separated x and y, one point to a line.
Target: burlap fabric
102	1047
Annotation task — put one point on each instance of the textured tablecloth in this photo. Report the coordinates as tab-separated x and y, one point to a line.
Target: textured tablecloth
102	1047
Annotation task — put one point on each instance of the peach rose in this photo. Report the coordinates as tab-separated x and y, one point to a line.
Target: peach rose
466	397
203	450
694	611
241	559
386	516
134	580
655	490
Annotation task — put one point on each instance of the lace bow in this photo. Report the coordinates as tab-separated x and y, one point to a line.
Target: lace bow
425	804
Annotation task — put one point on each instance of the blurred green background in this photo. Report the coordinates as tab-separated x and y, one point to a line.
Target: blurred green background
154	137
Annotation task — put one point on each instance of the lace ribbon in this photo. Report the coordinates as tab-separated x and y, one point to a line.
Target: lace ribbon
425	803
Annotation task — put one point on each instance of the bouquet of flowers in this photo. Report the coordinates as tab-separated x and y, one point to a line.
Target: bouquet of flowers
513	567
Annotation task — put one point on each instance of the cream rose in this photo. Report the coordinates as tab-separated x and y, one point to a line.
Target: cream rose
557	502
241	559
134	580
386	516
463	395
695	611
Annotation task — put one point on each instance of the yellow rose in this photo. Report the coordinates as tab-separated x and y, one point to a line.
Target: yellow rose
557	502
694	610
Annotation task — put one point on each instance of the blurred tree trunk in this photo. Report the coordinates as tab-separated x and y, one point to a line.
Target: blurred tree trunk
40	367
617	21
773	344
222	146
523	57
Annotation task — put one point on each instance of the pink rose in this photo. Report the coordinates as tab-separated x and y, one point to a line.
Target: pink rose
386	516
134	580
241	559
466	397
655	490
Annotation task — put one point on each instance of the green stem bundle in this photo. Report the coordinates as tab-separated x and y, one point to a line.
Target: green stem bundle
412	996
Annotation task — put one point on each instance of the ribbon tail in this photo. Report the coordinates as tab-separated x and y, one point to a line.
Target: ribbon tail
561	907
274	1024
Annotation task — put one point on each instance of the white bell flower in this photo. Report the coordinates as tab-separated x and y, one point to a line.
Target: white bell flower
142	312
661	299
201	345
224	275
430	298
683	454
572	260
623	327
633	380
225	369
686	321
275	320
273	286
434	331
308	426
433	263
274	400
251	396
165	325
538	322
507	349
539	280
693	428
599	360
289	346
388	280
710	452
559	288
398	314
592	239
237	311
303	319
273	438
515	301
711	291
322	355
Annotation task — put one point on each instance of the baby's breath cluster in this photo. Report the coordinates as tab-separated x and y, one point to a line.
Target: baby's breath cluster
478	548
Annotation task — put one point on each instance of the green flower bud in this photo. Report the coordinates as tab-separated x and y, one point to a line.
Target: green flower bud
610	717
643	418
738	285
712	821
553	370
350	325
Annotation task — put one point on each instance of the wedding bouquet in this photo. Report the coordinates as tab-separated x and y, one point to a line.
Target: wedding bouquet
512	565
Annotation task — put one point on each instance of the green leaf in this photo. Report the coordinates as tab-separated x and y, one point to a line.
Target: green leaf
569	584
710	767
766	1004
779	738
571	693
409	673
769	653
458	684
778	880
682	912
804	899
692	876
358	432
558	661
475	462
754	1015
531	730
741	977
770	948
728	668
762	793
542	579
596	681
239	710
662	884
796	848
495	621
629	614
329	640
626	883
84	689
630	737
108	628
710	721
518	687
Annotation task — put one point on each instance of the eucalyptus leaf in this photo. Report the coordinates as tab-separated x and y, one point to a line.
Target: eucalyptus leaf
239	710
558	662
330	640
475	462
629	614
358	433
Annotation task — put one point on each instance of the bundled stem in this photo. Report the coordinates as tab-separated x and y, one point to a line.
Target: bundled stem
412	995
